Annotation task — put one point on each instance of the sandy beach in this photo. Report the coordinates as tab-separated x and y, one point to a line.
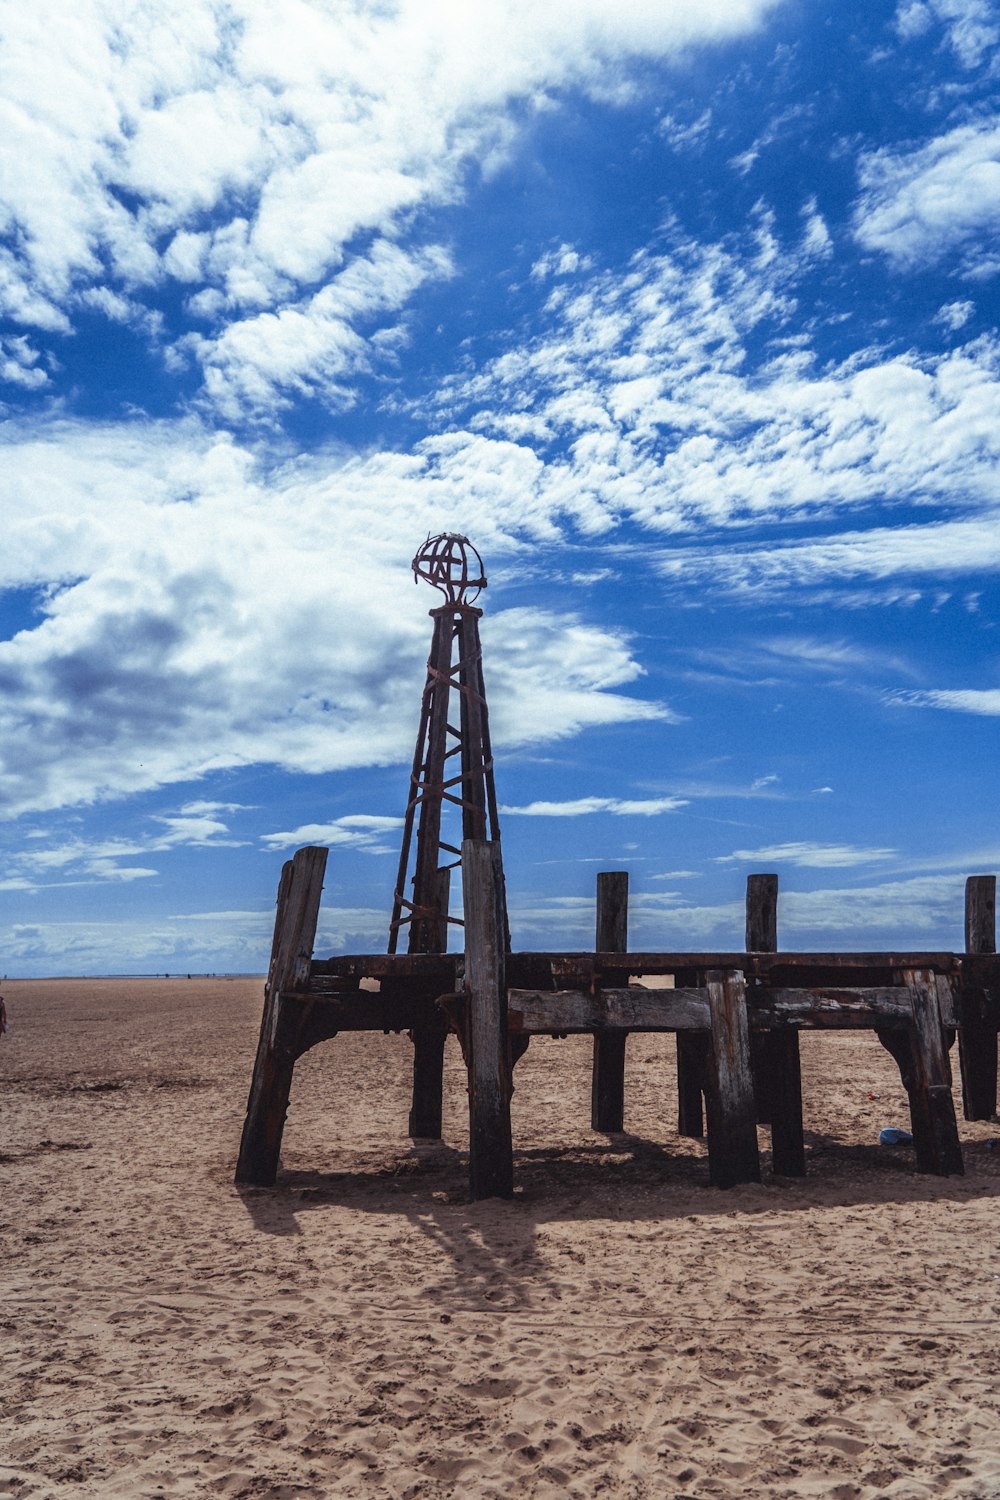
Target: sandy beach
621	1329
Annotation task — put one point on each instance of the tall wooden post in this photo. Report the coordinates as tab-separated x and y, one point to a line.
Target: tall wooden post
977	1039
607	1092
932	1109
428	1043
491	1159
777	1071
732	1115
291	954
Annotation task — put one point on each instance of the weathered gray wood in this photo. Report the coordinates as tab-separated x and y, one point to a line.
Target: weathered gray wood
981	914
822	1008
977	1040
634	1008
428	1042
607	1089
932	1109
568	970
299	893
732	1115
631	1008
762	937
490	1146
762	913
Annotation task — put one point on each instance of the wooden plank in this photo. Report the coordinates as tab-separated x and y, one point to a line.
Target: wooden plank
490	1148
932	1109
732	1117
576	970
633	1008
629	1009
607	1088
825	1008
299	892
299	919
977	1040
441	967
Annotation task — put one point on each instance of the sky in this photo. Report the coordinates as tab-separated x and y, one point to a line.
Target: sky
685	313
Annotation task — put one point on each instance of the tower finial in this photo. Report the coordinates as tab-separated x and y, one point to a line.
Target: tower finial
450	563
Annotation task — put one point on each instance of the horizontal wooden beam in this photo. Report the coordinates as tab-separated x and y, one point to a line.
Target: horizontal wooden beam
562	970
687	1009
627	1009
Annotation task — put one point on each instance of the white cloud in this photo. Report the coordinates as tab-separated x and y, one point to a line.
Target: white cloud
954	315
54	858
970	25
19	363
808	855
645	403
357	831
938	199
649	807
934	549
982	701
251	151
204	612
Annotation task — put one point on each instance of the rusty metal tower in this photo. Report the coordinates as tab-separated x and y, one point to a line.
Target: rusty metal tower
451	782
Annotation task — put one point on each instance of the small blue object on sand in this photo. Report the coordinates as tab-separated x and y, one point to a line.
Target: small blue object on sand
893	1136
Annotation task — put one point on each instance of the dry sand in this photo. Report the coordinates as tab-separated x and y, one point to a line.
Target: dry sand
621	1329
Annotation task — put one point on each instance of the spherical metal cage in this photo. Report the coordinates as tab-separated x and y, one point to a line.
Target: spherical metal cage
450	563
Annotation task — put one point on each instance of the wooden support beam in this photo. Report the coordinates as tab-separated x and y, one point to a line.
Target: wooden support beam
428	1043
762	937
777	1072
932	1109
732	1116
284	1016
607	1090
491	1158
977	1040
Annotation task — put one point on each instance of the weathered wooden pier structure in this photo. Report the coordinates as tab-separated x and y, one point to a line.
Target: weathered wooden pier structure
736	1016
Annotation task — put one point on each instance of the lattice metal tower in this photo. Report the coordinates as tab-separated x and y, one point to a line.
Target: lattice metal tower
452	763
451	783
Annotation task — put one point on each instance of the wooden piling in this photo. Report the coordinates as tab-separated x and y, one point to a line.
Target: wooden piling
428	1044
977	1041
607	1093
732	1116
932	1109
299	895
774	1055
491	1161
692	1072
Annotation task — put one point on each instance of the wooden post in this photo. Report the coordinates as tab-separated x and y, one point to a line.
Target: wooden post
692	1072
299	895
732	1117
607	1091
491	1159
977	1039
932	1109
762	937
428	1045
777	1070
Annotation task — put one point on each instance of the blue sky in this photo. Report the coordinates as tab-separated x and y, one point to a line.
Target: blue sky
685	313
